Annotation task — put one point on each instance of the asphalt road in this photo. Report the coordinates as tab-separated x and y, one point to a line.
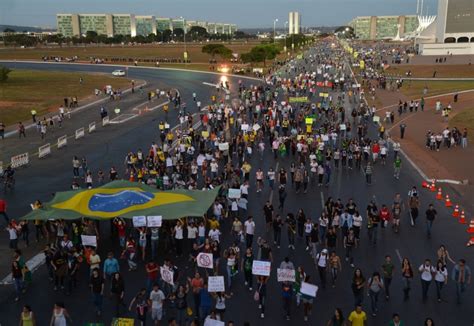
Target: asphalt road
108	147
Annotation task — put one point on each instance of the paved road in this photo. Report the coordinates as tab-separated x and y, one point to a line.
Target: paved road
109	147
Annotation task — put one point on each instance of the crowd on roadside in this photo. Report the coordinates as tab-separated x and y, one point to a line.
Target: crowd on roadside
310	142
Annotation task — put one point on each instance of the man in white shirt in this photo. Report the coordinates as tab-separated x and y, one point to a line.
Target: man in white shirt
214	234
156	297
321	261
249	226
426	270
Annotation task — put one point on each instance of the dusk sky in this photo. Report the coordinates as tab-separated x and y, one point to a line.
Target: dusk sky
244	13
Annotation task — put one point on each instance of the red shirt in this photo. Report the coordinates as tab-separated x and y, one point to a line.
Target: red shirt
3	205
152	275
121	230
384	214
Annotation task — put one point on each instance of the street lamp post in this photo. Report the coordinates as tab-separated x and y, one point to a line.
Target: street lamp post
274	26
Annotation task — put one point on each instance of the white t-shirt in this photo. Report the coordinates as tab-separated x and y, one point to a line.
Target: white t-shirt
192	231
214	234
249	227
322	260
308	227
178	232
201	231
156	298
426	272
357	220
441	275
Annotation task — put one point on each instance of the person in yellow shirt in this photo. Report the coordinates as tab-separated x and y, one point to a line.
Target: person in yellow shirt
358	317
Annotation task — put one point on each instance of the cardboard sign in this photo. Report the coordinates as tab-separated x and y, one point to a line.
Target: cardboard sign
89	240
261	268
286	275
342	126
215	284
205	260
167	275
154	221
223	146
309	289
139	221
213	322
244	127
234	193
256	127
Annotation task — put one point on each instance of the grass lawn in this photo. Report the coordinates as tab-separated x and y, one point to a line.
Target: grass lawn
138	51
45	90
414	89
420	71
463	120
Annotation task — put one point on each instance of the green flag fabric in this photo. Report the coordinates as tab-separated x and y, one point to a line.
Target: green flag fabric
125	199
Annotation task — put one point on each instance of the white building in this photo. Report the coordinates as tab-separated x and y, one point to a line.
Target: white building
294	22
452	32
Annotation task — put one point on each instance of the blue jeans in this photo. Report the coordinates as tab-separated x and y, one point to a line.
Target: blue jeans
429	225
460	288
374	298
18	286
97	298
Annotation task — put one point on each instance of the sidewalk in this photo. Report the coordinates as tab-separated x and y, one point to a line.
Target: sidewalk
451	164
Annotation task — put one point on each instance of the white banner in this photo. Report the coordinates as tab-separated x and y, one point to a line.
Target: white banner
286	275
205	260
44	150
105	121
342	126
80	133
154	221
261	268
166	275
20	160
244	127
223	146
215	284
139	221
309	289
62	141
234	193
256	127
213	322
89	240
91	127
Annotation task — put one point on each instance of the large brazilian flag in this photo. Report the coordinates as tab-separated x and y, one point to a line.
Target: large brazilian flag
125	199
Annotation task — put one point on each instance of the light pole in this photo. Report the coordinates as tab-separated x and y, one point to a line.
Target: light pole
274	26
185	55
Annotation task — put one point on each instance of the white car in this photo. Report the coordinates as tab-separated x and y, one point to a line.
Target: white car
118	73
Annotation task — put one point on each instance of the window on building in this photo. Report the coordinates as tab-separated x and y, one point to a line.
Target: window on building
463	39
450	40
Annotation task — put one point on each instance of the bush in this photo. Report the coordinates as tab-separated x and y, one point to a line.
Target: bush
4	71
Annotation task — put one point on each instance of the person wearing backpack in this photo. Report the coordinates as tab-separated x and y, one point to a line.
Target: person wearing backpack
374	286
322	263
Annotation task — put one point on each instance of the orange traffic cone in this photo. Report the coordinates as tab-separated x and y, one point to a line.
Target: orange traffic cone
447	202
456	211
462	219
439	195
470	242
471	227
433	186
424	184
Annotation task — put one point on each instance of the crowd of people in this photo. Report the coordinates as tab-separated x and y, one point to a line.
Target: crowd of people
306	145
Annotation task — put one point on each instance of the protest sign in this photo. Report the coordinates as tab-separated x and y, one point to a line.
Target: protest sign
309	289
223	146
215	284
139	221
205	260
89	240
166	275
154	221
286	275
234	193
261	268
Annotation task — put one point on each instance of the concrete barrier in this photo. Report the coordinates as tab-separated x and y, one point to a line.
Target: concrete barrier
62	141
105	121
91	127
44	150
80	133
20	160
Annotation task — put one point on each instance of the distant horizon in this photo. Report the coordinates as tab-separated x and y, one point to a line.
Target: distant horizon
244	13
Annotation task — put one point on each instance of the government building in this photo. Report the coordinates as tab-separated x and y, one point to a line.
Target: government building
70	25
383	27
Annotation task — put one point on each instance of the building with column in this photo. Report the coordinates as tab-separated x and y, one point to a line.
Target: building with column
75	25
294	23
383	27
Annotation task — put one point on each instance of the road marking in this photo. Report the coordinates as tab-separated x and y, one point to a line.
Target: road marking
211	84
398	255
33	264
123	118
